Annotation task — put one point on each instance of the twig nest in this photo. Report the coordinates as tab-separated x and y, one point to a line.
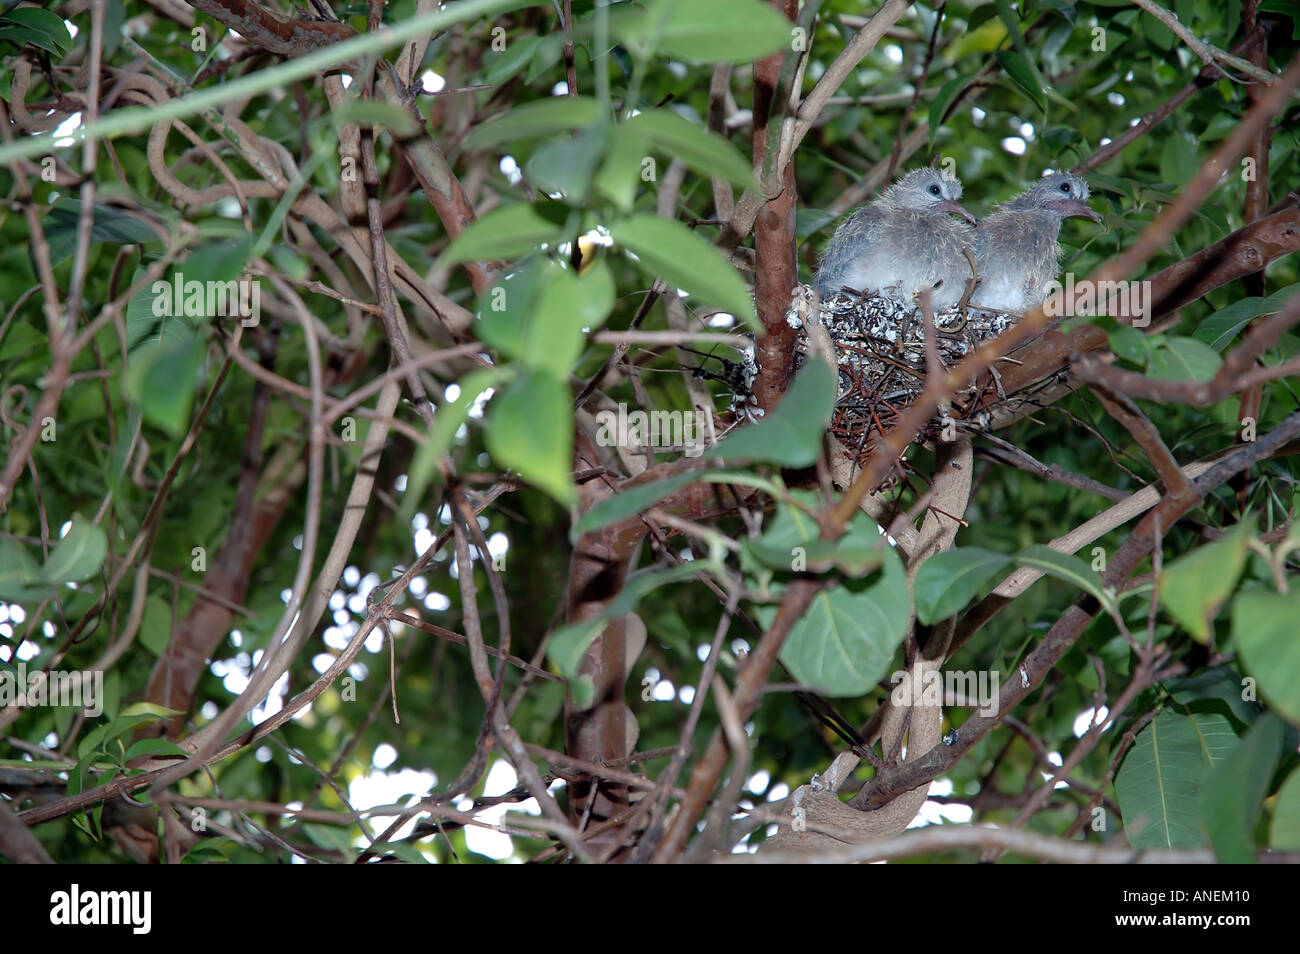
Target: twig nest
880	350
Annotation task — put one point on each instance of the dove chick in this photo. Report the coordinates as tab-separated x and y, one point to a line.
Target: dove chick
905	242
1016	249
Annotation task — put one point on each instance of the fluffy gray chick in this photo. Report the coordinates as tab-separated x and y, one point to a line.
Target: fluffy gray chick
903	243
1016	248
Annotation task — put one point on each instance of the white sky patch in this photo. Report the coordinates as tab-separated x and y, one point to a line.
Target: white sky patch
63	136
560	89
686	694
894	53
1084	722
72	28
977	115
1014	145
347	80
432	82
274	702
400	484
385	755
1115	99
936	813
1027	130
385	788
501	778
721	320
510	169
758	782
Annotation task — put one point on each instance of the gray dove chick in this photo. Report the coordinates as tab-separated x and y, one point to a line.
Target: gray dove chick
1016	248
905	242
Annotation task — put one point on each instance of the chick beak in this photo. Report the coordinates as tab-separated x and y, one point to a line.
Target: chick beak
1076	207
951	205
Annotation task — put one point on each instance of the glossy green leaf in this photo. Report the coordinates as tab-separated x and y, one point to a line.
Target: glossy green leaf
1284	832
535	120
501	235
79	555
792	434
1264	632
1183	359
1194	586
1232	795
1065	566
845	643
711	31
669	250
947	581
1159	783
530	430
704	151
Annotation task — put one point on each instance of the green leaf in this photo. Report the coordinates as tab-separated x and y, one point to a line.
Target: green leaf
535	120
1183	359
110	224
553	337
1130	344
792	541
530	429
1220	328
665	248
946	96
792	434
1263	630
501	235
844	644
1231	797
156	625
1159	783
1194	586
447	420
1022	74
1067	567
160	380
569	642
631	500
517	54
621	174
43	28
947	581
1215	690
507	306
704	151
154	747
153	709
709	31
21	580
79	555
374	113
1284	833
565	165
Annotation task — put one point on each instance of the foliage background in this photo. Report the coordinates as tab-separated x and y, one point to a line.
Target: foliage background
1004	90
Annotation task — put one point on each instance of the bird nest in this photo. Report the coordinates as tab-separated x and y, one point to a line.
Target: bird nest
880	350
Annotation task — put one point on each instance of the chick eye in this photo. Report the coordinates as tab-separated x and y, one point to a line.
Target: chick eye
934	190
1065	187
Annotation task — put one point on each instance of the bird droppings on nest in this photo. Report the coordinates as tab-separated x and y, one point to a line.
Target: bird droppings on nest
880	349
